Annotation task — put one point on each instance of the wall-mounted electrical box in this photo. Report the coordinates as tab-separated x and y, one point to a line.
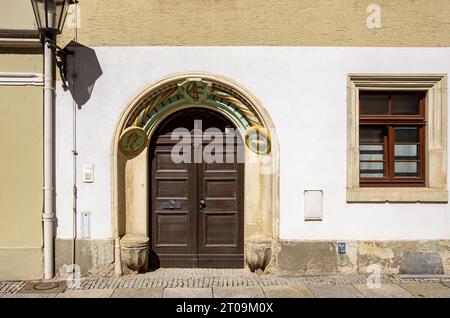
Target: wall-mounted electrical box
313	205
85	225
88	173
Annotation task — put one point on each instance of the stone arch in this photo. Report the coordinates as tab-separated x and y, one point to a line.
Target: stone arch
129	171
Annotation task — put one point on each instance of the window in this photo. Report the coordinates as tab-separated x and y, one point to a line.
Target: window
397	138
392	138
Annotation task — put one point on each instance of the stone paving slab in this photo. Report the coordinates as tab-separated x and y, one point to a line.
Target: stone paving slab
95	293
299	291
238	292
385	291
335	291
44	287
187	293
137	293
427	290
11	287
446	283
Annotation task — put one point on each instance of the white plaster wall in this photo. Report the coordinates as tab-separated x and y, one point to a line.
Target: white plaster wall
304	90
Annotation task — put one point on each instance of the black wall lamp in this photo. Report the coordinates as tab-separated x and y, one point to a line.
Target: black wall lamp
61	63
50	17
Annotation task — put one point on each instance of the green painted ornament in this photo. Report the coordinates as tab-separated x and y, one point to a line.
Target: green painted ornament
133	141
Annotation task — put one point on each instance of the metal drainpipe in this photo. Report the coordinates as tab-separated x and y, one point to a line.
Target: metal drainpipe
74	182
48	215
74	153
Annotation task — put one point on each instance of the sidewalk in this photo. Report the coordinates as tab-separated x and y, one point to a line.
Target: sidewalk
227	283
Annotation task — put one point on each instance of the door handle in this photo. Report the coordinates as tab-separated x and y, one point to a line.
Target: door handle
202	204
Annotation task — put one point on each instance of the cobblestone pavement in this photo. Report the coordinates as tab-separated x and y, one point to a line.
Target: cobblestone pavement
229	283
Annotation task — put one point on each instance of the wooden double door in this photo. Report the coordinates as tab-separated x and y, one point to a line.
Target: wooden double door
197	204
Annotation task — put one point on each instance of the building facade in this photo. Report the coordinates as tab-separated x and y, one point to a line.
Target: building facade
340	112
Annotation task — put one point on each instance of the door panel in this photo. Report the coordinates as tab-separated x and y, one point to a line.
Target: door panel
174	217
173	229
172	188
220	235
220	188
220	230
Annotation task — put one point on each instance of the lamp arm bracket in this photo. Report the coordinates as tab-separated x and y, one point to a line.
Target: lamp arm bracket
61	62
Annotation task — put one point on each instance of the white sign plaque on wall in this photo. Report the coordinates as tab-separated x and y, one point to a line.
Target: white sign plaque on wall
313	205
88	173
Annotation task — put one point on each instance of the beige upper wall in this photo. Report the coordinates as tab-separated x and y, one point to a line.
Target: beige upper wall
27	63
16	14
21	162
261	22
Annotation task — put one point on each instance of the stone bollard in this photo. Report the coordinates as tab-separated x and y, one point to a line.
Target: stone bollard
134	250
258	252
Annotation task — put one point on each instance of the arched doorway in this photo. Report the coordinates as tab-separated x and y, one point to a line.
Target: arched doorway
196	192
135	129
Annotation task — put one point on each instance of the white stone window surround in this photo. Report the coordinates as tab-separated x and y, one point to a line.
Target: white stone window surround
436	153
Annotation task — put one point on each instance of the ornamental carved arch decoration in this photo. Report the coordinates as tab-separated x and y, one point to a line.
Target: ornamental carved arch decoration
140	119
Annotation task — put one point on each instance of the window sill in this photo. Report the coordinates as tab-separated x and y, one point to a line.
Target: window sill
361	195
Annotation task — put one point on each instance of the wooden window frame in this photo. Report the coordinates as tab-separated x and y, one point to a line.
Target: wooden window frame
436	164
391	121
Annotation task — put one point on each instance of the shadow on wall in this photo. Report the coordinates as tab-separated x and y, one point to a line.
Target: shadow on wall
83	70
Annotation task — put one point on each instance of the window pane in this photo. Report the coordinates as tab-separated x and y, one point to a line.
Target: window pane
371	152
371	175
406	169
406	134
369	134
371	148
406	104
371	169
407	152
371	156
374	104
371	166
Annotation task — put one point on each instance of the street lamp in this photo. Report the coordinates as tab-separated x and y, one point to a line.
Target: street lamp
50	16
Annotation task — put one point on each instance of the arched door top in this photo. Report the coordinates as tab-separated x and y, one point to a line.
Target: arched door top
200	90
